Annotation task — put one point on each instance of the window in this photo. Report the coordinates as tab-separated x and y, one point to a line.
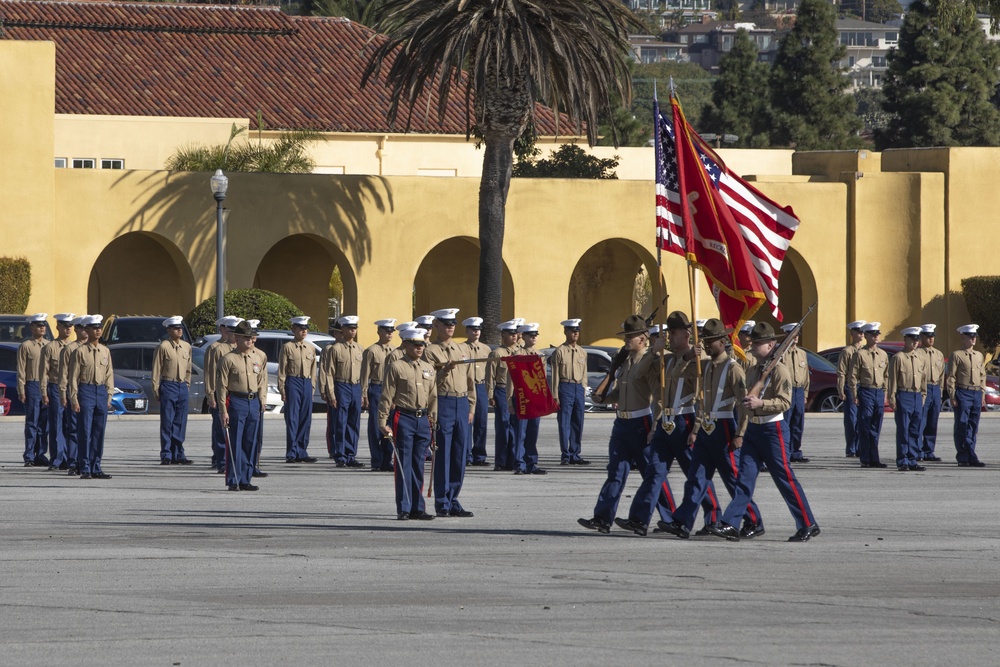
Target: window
83	163
112	163
878	61
857	38
892	37
60	163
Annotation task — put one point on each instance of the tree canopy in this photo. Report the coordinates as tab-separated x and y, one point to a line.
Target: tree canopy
740	96
567	161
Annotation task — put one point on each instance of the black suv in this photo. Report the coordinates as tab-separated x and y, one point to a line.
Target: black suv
136	329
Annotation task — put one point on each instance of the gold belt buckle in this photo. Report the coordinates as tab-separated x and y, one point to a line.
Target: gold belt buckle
708	426
668	425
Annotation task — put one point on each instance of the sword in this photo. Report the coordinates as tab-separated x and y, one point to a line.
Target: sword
399	468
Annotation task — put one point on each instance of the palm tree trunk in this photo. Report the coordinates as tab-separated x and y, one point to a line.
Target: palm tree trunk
498	162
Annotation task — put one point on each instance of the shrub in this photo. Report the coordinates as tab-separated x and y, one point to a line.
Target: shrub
273	311
15	284
982	298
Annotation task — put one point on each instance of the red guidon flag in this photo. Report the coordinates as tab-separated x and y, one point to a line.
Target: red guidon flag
530	396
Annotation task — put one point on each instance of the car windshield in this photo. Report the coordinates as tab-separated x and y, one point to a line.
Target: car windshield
819	363
137	330
14	329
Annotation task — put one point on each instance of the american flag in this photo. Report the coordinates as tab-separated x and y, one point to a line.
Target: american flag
766	227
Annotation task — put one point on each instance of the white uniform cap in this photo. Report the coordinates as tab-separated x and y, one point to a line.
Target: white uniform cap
654	330
519	320
445	314
911	331
530	327
700	323
403	326
174	321
928	329
64	317
253	324
93	320
473	322
857	324
969	329
413	333
301	320
509	325
872	326
231	321
747	326
348	321
425	320
37	317
571	324
788	327
388	324
79	321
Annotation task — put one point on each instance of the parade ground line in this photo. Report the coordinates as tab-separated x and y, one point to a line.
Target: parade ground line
162	566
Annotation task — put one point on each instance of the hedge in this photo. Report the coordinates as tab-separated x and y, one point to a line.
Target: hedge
273	311
15	284
982	298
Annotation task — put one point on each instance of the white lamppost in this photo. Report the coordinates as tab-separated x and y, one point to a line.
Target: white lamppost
219	184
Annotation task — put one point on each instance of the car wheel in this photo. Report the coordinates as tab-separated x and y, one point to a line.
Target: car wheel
829	402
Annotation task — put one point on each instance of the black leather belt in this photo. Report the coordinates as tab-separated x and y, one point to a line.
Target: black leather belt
239	394
374	384
412	412
346	382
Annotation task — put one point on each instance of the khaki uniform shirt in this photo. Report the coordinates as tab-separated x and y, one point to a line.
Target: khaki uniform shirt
907	372
777	394
408	384
51	360
636	381
844	365
213	354
733	385
679	377
64	358
297	360
966	368
373	366
171	362
934	365
29	362
341	362
459	380
569	364
497	374
243	373
869	368
477	351
90	364
798	366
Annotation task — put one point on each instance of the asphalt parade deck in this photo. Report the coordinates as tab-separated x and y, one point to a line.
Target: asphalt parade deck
163	566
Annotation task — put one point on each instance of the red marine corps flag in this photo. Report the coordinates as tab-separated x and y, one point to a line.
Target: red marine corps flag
531	396
718	221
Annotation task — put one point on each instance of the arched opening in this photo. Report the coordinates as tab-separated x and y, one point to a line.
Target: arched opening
141	273
796	292
448	277
299	268
606	286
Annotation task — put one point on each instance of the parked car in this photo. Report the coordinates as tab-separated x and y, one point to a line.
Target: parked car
137	329
14	329
4	401
135	361
128	398
598	363
270	342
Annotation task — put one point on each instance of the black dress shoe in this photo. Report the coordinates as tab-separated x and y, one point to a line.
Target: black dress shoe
518	472
41	461
248	487
963	464
164	462
462	514
582	462
497	468
64	466
804	534
977	464
101	475
675	528
803	459
404	516
724	530
441	512
480	464
932	458
29	464
595	524
538	471
750	531
355	464
220	471
234	487
341	464
307	459
421	516
185	462
633	526
565	463
292	460
902	468
916	468
51	468
703	531
72	471
259	473
86	475
878	465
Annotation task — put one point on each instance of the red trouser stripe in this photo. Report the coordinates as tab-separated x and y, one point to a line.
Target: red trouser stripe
791	479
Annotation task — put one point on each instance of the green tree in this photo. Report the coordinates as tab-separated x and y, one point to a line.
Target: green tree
982	294
875	11
740	96
570	55
941	79
567	161
693	84
287	154
811	111
359	11
273	311
15	284
871	110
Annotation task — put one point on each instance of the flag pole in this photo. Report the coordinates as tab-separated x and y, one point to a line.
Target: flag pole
659	258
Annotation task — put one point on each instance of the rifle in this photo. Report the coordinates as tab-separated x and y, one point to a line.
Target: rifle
619	359
777	354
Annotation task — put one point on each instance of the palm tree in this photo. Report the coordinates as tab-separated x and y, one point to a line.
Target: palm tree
503	57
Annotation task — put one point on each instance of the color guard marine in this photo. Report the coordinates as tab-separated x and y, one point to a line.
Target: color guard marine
526	443
967	391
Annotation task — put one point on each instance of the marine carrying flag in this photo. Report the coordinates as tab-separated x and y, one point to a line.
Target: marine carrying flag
737	235
530	395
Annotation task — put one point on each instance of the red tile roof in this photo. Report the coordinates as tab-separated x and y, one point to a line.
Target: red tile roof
218	61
